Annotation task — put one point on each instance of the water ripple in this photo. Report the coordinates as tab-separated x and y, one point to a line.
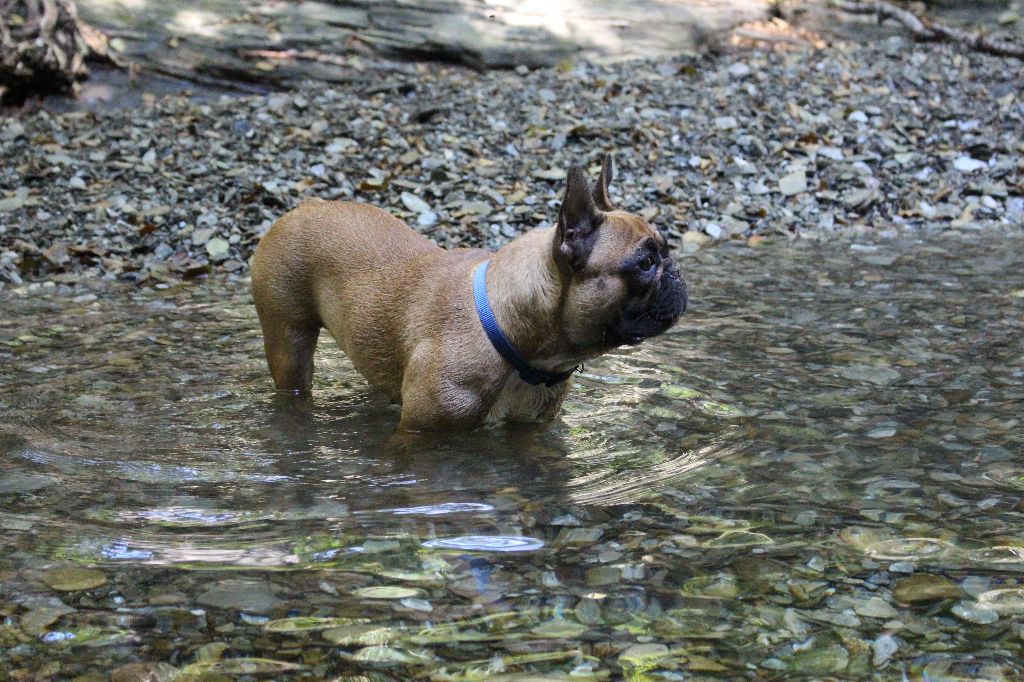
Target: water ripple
487	543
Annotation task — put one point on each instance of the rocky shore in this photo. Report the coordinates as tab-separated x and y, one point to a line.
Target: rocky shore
746	146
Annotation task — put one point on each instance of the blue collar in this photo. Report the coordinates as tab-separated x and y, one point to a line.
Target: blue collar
530	375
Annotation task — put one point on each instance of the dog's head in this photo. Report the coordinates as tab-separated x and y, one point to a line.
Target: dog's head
621	284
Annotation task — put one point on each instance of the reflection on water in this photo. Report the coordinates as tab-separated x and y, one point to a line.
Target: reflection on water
486	543
817	473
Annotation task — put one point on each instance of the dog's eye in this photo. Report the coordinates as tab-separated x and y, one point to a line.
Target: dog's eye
646	264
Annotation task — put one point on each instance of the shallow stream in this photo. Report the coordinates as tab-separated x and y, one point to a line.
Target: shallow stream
818	472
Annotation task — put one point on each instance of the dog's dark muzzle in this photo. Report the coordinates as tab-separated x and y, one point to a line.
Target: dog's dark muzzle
662	310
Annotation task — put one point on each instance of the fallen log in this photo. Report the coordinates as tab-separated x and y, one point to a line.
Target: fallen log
44	46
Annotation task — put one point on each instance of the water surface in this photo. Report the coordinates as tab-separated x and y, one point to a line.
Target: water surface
818	472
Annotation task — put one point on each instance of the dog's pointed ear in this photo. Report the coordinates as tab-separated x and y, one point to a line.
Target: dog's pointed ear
578	221
601	198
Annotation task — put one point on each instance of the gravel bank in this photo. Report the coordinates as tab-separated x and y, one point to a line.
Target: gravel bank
745	146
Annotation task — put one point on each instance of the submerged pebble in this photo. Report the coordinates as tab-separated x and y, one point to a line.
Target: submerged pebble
74	579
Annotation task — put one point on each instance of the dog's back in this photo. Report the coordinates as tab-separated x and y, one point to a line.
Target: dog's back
343	252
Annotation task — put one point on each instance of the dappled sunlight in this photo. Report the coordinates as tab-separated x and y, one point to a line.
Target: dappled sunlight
609	28
197	22
567	19
641	474
120	4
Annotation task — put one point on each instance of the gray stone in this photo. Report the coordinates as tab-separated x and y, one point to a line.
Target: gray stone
878	375
972	612
875	607
241	595
20	482
217	248
42	612
966	164
726	123
793	183
414	203
882	649
739	70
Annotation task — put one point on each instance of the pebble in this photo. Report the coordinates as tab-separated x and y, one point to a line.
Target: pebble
144	672
739	70
925	587
19	482
875	607
833	153
417	604
42	611
878	375
254	596
639	653
414	203
726	122
882	649
966	164
12	130
578	537
794	183
972	612
975	585
217	248
74	579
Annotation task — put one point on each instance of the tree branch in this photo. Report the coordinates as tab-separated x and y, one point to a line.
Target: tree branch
926	30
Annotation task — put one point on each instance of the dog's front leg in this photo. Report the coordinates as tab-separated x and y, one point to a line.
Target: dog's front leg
432	408
436	397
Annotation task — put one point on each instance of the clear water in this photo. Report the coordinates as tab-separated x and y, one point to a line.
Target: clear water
770	490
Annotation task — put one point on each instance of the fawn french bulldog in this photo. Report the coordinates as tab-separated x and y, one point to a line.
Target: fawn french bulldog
465	336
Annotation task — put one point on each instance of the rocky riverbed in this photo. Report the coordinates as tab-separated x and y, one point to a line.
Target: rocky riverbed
751	145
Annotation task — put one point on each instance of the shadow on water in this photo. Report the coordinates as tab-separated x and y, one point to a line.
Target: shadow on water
824	454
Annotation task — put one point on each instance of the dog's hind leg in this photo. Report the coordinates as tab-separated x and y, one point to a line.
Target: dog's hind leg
289	337
289	349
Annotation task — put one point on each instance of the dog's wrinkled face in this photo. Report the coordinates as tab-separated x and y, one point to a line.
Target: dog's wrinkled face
623	286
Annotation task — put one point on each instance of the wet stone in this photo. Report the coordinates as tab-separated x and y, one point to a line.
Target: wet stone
883	648
1006	600
922	588
820	659
641	653
212	651
42	612
879	376
604	575
144	672
242	595
388	592
578	537
876	607
973	612
20	482
74	579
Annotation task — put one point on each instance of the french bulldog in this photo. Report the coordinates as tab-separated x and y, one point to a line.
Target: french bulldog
465	336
